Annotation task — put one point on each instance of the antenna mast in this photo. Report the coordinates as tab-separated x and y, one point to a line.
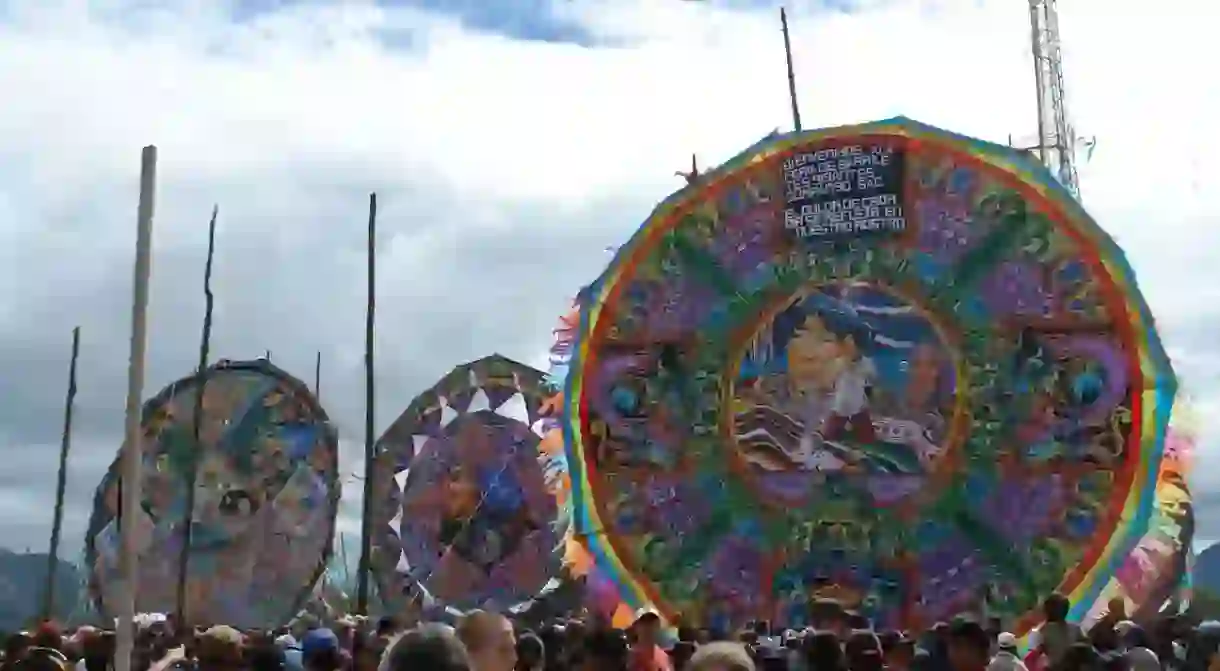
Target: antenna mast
1056	136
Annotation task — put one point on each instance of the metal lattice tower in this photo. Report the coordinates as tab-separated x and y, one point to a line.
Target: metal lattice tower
1056	136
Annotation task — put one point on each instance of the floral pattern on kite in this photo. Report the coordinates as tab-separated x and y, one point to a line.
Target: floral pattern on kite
883	362
265	502
466	518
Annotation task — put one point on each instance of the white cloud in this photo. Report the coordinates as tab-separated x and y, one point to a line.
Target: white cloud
289	118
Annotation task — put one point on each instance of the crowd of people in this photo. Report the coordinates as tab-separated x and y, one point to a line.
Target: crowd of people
838	640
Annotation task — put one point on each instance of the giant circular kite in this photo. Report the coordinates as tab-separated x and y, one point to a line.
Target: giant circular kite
265	506
464	517
881	363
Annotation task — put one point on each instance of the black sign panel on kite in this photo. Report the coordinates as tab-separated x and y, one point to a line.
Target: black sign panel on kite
847	191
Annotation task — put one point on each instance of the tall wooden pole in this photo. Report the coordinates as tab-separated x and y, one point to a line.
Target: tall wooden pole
205	344
366	520
317	377
796	111
65	444
128	559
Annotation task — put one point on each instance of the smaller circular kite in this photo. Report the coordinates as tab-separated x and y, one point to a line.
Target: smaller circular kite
266	498
463	516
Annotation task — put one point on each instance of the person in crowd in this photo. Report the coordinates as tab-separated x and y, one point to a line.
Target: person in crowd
1102	634
602	649
531	653
863	651
220	649
646	652
264	655
721	657
1137	647
822	652
321	651
1079	656
968	646
1006	658
430	646
898	650
292	652
489	641
1052	640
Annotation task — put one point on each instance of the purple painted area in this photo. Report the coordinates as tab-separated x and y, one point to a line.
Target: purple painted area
948	573
944	229
736	569
782	485
680	508
891	489
1111	358
1016	288
747	240
664	309
1021	510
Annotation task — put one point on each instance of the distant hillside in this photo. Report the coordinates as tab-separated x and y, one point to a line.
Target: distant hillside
1207	569
22	578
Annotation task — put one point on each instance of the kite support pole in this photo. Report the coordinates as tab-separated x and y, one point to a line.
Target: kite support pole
366	520
128	560
205	341
65	444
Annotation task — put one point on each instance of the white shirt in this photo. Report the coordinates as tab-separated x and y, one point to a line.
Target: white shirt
849	395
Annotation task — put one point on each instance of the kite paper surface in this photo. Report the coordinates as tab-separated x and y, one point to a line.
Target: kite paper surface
884	363
465	518
265	503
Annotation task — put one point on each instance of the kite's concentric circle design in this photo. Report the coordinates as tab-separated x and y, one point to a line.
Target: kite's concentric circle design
265	506
883	363
464	517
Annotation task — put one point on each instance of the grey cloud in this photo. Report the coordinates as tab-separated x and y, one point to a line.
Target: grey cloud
289	278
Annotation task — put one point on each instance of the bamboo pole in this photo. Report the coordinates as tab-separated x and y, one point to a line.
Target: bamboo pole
796	111
317	377
61	483
128	561
366	520
205	343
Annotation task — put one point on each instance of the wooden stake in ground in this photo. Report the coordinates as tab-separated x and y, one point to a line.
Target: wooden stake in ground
205	343
130	457
366	522
65	444
796	111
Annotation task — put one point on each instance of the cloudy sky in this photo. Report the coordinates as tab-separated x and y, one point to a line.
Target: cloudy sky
509	142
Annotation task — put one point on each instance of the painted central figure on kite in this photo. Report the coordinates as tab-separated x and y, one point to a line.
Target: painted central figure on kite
881	362
846	377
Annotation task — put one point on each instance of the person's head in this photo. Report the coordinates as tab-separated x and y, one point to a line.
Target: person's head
264	656
489	641
430	646
220	647
822	651
1006	642
647	627
321	651
863	651
969	646
898	650
48	635
531	653
16	645
721	657
387	626
603	650
1079	657
1056	608
828	615
1116	608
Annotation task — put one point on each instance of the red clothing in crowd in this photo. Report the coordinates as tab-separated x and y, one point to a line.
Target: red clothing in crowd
649	658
